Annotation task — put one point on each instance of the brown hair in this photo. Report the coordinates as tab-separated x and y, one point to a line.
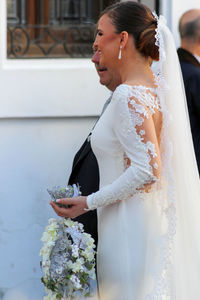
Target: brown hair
138	20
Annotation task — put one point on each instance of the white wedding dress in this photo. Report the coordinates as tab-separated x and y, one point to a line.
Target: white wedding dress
127	229
148	203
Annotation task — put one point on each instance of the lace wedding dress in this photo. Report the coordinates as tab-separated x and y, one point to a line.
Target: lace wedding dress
149	199
128	228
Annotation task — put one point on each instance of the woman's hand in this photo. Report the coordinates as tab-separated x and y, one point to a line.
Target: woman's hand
78	207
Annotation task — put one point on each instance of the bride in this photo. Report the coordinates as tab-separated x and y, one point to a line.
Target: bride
149	198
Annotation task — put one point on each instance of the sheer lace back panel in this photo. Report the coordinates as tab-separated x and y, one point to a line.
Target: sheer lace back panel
144	108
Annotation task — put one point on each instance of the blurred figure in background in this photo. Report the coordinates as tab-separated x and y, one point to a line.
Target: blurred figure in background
189	56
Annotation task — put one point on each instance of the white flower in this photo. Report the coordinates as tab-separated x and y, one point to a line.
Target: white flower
75	250
70	264
89	240
78	265
88	254
81	226
76	281
45	237
52	229
69	222
52	221
59	270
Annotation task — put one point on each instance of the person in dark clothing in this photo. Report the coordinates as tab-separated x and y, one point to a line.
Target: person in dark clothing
85	169
189	56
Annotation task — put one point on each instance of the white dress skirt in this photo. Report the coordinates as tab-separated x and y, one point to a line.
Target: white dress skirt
133	260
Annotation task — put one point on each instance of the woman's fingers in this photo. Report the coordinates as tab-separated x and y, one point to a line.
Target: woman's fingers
77	206
61	211
66	201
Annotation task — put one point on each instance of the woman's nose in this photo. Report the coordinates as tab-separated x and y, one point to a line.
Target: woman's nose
96	57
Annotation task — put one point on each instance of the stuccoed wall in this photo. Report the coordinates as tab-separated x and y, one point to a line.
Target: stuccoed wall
47	108
35	154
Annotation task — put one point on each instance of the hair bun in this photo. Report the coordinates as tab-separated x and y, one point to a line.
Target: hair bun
138	20
146	42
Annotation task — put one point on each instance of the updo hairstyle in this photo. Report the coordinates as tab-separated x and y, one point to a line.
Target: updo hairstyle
138	20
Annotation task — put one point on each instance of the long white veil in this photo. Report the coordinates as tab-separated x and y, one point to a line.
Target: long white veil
181	206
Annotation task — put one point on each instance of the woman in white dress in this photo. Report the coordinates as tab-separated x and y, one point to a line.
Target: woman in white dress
148	206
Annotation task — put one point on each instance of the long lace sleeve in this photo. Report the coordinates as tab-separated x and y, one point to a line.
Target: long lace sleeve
135	130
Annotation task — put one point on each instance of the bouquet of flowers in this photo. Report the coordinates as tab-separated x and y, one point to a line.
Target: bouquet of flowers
66	192
68	261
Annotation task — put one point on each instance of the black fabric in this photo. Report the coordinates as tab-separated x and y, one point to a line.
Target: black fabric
191	76
186	56
85	172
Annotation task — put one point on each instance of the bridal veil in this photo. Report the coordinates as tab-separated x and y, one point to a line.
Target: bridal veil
178	274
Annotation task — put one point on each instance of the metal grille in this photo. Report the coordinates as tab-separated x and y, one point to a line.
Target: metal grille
72	11
51	28
54	28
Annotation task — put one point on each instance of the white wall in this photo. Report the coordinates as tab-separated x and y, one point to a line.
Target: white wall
47	108
50	87
36	154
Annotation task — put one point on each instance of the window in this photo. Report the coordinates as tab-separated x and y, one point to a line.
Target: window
54	28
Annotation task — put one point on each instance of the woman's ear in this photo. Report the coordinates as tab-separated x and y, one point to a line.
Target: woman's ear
124	38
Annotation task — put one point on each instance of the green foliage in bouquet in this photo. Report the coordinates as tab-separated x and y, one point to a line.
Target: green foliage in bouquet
68	255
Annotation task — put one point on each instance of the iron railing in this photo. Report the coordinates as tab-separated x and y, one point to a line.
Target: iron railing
68	41
65	30
53	28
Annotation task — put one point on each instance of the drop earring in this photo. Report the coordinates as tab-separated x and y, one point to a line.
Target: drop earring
120	52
